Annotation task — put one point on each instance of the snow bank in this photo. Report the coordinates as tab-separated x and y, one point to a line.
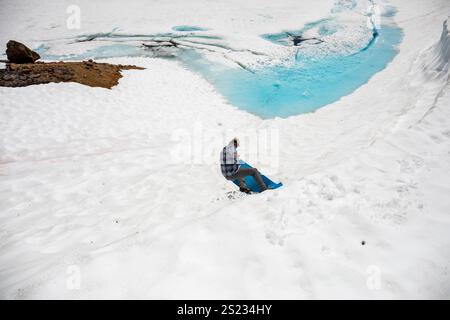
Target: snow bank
434	61
443	48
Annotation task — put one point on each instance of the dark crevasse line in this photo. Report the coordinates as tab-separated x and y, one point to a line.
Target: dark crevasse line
124	44
376	34
375	31
112	36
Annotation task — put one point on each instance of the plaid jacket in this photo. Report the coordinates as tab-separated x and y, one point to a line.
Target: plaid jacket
229	163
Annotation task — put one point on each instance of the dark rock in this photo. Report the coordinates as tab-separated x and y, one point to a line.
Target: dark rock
9	77
297	40
20	53
14	84
60	71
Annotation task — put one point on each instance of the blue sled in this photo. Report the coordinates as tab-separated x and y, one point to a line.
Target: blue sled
251	183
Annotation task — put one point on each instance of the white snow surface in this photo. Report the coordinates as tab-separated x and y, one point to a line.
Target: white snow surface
95	203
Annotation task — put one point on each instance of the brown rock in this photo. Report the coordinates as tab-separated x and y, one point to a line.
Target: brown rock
19	53
12	66
99	75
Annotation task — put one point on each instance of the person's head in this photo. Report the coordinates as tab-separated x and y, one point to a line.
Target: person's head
236	142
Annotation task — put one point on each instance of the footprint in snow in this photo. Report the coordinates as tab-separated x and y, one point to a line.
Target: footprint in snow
231	195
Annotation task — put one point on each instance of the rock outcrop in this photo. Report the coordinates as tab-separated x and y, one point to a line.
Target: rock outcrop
19	53
89	73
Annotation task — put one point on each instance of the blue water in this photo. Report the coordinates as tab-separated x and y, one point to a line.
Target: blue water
188	28
304	86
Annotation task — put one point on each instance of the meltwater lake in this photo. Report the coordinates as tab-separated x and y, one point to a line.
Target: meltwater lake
301	86
304	85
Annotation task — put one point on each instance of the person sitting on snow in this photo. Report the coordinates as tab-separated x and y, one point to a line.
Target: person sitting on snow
231	168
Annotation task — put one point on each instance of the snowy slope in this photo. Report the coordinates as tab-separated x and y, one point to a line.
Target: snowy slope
90	180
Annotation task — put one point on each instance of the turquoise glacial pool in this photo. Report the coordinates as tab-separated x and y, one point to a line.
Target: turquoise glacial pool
305	85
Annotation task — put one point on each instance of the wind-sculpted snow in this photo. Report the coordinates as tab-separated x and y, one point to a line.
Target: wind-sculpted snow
443	48
433	62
